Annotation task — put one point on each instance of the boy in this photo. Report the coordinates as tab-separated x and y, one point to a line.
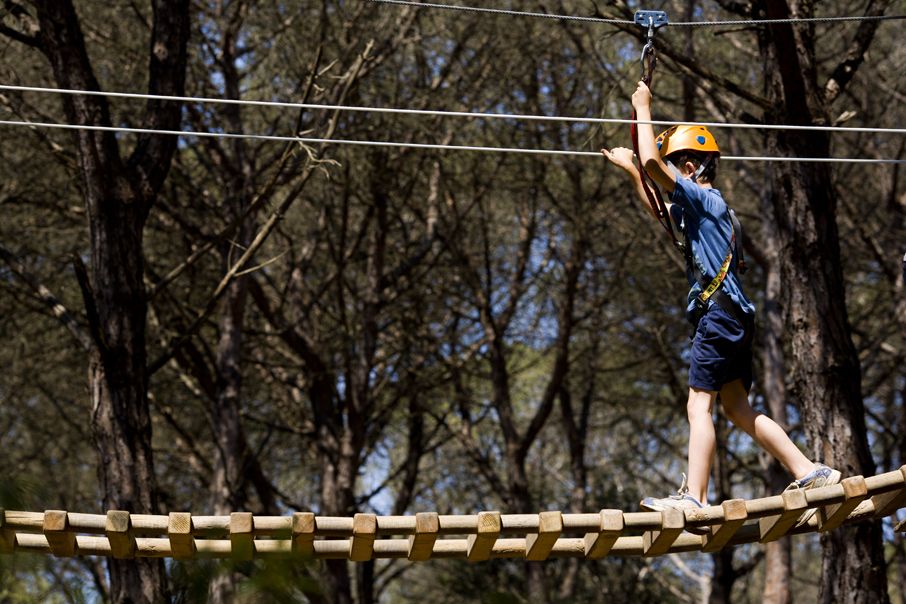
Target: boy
721	361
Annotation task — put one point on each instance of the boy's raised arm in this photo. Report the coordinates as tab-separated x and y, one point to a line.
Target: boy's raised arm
648	151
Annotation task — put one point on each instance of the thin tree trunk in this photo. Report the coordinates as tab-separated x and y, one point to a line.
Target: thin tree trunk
778	559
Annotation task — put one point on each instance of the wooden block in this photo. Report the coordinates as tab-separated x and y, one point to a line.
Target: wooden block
598	545
480	545
886	504
735	516
855	491
421	544
60	538
122	543
242	535
303	534
7	536
772	528
656	543
538	545
364	532
179	531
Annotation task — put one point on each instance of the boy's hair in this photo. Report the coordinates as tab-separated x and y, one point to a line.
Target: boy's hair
679	158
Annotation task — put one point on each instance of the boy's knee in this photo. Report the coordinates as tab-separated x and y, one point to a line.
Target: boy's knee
700	402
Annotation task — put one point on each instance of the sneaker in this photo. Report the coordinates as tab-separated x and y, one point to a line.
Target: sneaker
681	501
821	476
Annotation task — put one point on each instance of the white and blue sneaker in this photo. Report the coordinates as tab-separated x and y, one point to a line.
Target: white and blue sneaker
681	501
821	476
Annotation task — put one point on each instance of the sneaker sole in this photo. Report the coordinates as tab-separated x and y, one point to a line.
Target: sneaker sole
832	479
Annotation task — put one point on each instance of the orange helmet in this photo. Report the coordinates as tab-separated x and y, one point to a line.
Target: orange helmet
686	138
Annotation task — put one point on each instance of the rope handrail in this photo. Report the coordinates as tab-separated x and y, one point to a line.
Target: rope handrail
475	537
445	113
411	145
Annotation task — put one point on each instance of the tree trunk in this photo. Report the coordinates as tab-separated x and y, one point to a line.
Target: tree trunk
778	559
118	197
824	363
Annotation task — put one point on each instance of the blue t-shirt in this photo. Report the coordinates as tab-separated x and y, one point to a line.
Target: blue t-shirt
705	220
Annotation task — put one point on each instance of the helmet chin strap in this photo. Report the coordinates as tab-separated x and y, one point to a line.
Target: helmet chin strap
701	168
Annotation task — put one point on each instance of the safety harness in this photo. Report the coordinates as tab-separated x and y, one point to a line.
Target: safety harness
711	287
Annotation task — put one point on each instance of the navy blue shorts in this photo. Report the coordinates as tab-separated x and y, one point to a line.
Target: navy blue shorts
721	351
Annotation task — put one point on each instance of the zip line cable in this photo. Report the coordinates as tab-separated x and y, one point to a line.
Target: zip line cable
733	23
397	144
500	11
442	113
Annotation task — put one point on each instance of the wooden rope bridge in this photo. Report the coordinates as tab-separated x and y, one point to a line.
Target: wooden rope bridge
477	537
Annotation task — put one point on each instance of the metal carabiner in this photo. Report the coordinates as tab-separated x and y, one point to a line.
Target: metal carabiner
649	55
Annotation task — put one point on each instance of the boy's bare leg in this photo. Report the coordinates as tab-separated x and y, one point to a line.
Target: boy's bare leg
763	429
702	441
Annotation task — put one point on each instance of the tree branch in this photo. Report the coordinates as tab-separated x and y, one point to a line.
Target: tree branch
47	298
855	54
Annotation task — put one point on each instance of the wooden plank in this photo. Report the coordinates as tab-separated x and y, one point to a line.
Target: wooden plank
7	535
855	491
303	533
772	528
735	515
117	527
364	531
656	543
480	545
179	532
421	544
538	545
599	544
60	538
887	503
242	534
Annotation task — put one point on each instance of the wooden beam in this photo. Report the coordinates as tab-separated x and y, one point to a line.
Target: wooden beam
855	491
421	544
179	531
364	532
242	535
599	544
887	503
735	515
772	528
480	545
303	534
60	538
538	545
656	543
7	535
117	528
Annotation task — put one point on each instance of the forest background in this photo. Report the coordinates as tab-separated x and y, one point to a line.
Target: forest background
213	325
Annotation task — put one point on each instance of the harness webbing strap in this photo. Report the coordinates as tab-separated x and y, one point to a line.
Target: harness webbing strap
708	291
